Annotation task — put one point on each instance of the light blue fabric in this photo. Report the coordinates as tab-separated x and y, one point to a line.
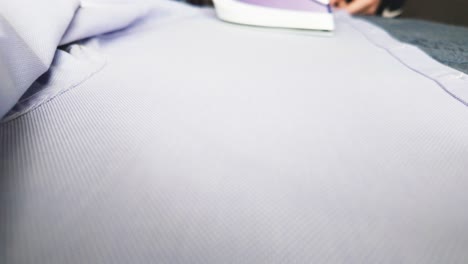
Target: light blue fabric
31	31
200	141
98	17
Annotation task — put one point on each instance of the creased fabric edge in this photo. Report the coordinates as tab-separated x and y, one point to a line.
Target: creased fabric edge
452	81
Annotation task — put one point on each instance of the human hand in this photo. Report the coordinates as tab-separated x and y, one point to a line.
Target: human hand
361	7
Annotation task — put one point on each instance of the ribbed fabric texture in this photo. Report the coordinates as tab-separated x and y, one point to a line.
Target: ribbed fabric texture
244	146
28	40
31	31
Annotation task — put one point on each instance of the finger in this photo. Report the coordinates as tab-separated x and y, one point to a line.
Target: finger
367	11
342	5
372	10
336	3
359	6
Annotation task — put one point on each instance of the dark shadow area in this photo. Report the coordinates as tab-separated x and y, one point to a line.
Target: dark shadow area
447	11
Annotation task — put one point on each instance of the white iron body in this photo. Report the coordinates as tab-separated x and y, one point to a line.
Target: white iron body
242	13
